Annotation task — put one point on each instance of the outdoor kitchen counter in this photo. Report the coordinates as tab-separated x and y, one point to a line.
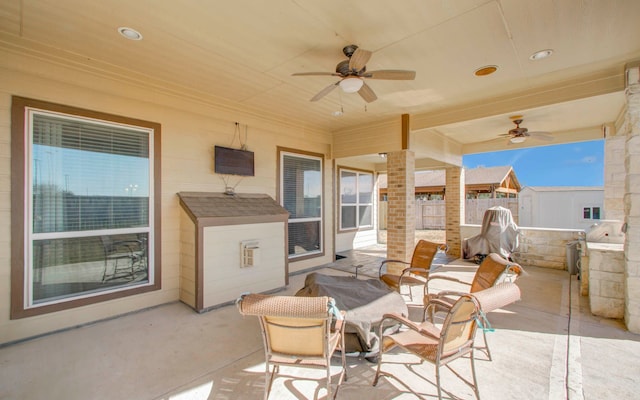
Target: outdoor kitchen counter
605	277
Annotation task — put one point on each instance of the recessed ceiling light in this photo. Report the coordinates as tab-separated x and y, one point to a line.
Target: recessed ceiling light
486	70
130	33
539	55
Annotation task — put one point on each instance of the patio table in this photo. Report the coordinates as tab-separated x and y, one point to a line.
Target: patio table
365	302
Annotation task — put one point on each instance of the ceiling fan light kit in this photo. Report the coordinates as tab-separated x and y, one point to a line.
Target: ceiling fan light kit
351	84
520	134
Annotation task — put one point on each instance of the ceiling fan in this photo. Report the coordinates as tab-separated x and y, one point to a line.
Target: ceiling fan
519	135
353	72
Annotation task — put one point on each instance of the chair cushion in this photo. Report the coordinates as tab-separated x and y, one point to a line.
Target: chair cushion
497	296
284	306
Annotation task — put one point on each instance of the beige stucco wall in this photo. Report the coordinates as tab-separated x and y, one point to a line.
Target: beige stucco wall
190	129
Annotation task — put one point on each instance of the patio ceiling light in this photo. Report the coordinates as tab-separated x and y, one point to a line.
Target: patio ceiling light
518	139
539	55
130	33
351	84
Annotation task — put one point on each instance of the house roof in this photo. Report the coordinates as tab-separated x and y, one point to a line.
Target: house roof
562	188
487	175
475	176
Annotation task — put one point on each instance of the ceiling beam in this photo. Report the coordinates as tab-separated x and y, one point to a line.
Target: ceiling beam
561	137
603	82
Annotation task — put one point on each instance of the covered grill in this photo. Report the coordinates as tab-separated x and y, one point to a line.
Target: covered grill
499	235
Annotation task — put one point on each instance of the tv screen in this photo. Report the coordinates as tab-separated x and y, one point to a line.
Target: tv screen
233	161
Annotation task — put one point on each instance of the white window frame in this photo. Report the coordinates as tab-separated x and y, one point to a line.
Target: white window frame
319	219
358	203
591	208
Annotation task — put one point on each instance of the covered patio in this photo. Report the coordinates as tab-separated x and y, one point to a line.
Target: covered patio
547	345
112	111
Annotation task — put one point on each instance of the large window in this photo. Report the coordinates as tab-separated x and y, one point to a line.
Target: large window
301	188
87	225
356	199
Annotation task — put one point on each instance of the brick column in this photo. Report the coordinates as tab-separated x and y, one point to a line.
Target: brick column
632	200
454	214
401	224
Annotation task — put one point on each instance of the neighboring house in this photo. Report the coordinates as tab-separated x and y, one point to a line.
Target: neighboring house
569	207
480	183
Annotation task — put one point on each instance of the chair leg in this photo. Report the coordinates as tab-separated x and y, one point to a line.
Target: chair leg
375	379
268	377
473	374
438	380
329	379
485	348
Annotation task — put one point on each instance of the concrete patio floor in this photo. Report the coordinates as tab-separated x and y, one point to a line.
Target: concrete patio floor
546	346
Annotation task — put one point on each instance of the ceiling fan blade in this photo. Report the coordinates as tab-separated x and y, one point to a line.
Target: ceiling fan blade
541	135
325	91
315	74
391	74
367	93
359	59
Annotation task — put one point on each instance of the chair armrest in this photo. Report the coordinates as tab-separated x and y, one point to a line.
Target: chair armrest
442	277
440	301
388	261
417	271
423	329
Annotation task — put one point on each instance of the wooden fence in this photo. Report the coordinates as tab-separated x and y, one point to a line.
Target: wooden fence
431	214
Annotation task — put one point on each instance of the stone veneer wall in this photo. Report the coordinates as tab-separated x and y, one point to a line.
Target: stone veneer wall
539	247
632	199
606	280
614	177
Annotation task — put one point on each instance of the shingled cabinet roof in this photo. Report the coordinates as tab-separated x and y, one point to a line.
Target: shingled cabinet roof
236	208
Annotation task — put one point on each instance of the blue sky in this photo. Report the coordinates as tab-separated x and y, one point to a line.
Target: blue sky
573	164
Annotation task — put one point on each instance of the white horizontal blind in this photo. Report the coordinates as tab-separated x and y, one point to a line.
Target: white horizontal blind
301	194
88	176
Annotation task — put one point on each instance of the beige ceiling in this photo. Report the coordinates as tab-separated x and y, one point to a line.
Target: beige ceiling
241	53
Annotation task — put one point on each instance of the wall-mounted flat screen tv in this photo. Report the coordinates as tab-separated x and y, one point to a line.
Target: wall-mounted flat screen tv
233	161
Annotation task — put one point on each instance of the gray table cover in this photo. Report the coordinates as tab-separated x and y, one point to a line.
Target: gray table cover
365	302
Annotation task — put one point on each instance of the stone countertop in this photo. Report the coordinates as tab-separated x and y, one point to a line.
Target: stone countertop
598	246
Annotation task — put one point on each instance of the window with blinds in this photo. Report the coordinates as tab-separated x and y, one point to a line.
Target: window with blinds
301	193
356	199
89	211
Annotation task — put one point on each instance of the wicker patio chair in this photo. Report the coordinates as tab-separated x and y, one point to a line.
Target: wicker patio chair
439	347
492	271
297	331
418	269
